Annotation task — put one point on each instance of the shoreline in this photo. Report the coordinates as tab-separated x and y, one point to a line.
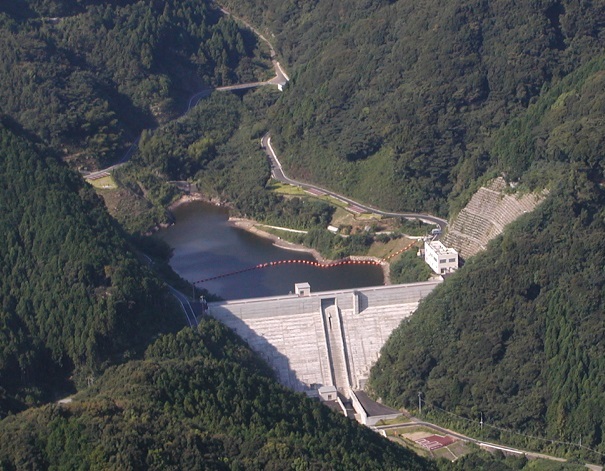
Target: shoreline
249	226
184	199
189	198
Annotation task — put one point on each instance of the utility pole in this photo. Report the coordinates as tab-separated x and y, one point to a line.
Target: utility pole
419	403
481	422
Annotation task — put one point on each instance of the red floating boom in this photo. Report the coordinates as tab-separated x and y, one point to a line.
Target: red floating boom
307	262
279	262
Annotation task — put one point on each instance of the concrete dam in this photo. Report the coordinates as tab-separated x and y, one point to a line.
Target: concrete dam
329	338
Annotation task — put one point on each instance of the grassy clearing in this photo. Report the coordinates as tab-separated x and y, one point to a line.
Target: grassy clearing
380	250
104	183
406	443
444	453
410	431
406	436
292	190
367	216
286	189
457	449
342	217
402	419
135	213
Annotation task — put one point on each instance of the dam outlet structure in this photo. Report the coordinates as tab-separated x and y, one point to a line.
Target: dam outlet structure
324	341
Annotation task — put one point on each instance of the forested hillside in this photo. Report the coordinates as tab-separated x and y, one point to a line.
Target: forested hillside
216	144
73	296
89	76
199	400
80	78
405	105
518	333
394	102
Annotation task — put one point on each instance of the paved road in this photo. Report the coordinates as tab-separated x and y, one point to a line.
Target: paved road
249	26
181	298
186	305
194	100
277	172
125	158
281	74
280	79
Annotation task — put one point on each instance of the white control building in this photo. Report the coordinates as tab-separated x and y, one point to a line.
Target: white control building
440	258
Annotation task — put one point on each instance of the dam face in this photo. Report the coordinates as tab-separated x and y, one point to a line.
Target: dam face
329	338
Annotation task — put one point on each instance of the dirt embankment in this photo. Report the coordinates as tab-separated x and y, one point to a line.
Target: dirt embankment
188	198
250	226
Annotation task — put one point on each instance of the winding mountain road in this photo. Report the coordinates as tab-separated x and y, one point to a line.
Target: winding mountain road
277	172
183	300
280	80
186	305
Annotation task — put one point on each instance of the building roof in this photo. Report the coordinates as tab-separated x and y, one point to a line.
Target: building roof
373	408
441	249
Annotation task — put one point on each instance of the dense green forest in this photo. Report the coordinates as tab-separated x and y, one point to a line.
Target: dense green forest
78	307
216	145
87	77
409	268
394	102
404	105
518	333
74	298
199	400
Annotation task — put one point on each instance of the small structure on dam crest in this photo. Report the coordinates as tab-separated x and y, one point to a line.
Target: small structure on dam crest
330	338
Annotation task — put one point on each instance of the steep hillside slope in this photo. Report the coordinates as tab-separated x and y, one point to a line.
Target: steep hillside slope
393	101
518	333
87	77
486	215
72	295
200	400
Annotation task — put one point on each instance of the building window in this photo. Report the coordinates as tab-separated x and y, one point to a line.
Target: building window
443	260
452	260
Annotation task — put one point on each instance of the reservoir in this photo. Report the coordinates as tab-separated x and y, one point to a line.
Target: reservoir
205	245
